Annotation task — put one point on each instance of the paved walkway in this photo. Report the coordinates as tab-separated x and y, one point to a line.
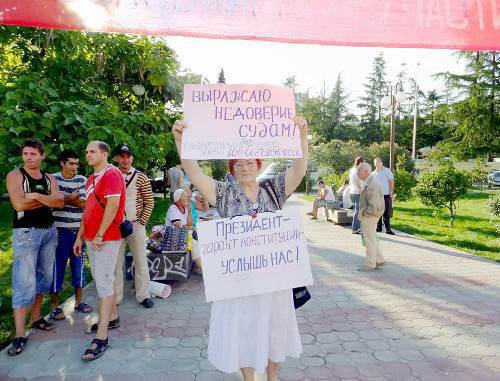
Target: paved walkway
432	313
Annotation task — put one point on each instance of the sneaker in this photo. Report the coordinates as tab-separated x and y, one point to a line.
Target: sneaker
390	232
380	264
148	303
379	230
309	213
356	232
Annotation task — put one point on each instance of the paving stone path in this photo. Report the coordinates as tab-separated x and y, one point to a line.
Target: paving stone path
432	313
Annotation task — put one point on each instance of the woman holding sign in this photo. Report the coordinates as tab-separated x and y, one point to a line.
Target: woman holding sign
255	332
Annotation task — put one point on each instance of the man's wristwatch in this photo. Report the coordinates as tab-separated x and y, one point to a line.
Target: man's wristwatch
99	235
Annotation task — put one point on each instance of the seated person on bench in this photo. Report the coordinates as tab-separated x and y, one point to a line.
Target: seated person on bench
344	196
179	214
325	196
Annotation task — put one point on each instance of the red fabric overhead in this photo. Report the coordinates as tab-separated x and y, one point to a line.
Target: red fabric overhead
455	24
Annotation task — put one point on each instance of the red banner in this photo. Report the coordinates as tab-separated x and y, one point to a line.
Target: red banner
455	24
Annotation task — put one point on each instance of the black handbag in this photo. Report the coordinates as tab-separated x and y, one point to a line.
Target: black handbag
301	295
126	227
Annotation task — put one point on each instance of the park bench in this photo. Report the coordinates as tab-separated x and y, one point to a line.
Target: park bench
342	216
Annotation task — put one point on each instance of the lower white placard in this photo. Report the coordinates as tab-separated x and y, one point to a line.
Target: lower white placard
245	255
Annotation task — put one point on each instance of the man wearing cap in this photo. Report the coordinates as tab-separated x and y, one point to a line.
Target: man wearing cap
138	209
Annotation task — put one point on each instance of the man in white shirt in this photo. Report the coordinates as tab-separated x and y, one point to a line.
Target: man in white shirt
325	195
385	178
355	189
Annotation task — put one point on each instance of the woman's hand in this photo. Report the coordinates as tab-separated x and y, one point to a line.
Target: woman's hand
301	123
178	129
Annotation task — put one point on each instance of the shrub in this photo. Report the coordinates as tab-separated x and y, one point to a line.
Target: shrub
404	182
493	208
479	172
441	188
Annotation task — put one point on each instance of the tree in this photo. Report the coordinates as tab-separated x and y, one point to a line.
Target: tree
477	113
328	114
66	88
442	187
217	169
404	182
479	172
221	78
291	82
493	208
370	103
336	155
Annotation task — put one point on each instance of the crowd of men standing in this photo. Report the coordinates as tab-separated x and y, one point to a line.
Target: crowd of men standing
66	216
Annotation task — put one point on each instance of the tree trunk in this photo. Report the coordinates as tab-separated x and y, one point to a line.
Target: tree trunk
453	213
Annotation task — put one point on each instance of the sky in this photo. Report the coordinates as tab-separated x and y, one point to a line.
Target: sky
314	66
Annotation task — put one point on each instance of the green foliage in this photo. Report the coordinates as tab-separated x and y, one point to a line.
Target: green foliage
371	119
67	88
327	114
472	231
337	155
493	208
404	182
221	78
479	172
335	179
476	115
442	188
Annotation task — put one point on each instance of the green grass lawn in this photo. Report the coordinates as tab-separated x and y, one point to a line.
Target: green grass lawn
472	232
6	320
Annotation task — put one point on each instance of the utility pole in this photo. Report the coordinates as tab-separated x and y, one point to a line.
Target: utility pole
415	115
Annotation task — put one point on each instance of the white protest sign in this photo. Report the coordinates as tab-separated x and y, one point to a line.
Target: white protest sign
245	256
239	122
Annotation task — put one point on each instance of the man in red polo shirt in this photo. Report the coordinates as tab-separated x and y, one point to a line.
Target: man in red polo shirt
100	228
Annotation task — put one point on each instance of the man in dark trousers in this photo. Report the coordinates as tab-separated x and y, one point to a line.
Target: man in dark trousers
33	193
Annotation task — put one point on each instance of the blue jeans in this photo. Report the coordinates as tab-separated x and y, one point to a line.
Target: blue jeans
64	251
356	225
32	268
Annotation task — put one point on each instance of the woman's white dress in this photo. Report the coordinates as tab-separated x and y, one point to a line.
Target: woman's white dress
248	331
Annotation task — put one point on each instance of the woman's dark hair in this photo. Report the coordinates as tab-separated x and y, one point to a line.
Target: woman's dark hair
358	161
67	154
34	143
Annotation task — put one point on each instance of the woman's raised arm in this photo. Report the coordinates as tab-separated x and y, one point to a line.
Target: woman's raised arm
205	184
297	171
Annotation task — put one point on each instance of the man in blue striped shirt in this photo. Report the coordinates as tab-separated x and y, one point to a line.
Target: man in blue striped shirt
67	221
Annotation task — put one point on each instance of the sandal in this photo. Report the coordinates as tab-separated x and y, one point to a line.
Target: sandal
42	325
18	345
84	308
113	324
98	351
56	313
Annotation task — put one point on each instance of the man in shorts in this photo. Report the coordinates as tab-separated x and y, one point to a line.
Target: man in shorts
100	228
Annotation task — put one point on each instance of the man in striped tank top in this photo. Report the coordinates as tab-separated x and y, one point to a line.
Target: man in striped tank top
67	220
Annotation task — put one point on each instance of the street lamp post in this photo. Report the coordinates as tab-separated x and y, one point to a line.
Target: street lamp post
309	138
415	115
393	96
